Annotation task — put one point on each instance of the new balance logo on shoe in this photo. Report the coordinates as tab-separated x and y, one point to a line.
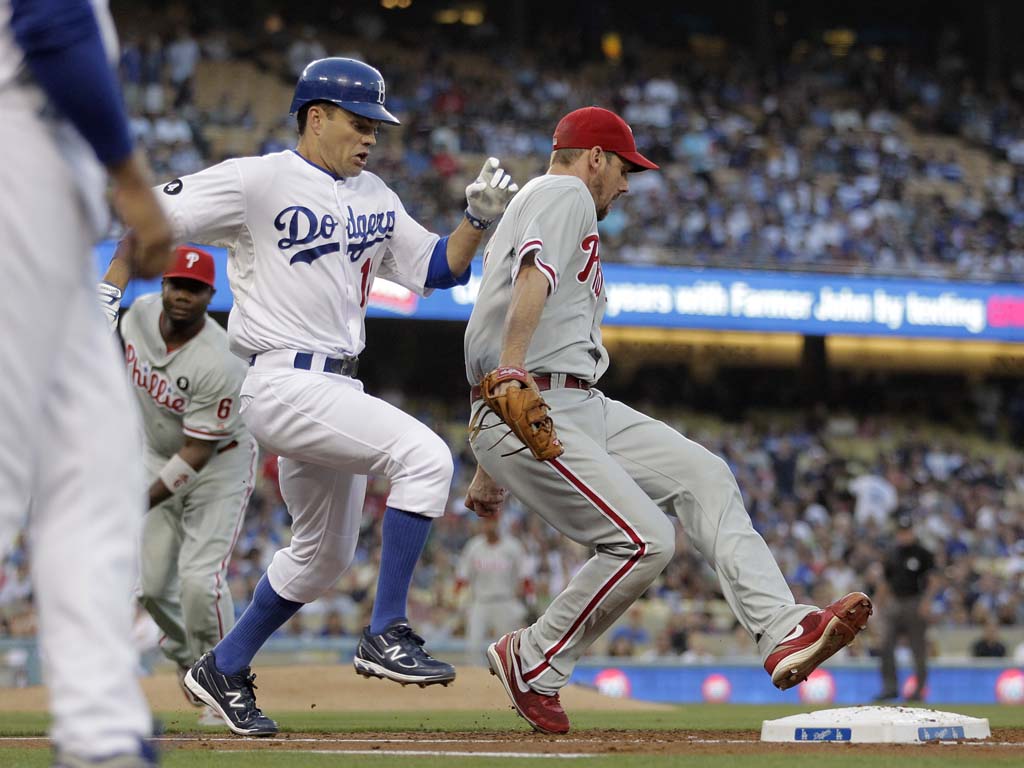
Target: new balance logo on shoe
232	697
397	654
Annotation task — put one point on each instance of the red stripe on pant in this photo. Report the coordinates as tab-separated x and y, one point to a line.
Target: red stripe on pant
603	507
234	540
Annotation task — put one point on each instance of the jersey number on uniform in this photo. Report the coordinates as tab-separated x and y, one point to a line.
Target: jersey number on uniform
365	284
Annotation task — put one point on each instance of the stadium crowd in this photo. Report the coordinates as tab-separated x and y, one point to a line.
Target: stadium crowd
824	163
824	496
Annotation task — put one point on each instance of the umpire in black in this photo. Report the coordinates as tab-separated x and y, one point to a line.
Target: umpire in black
909	571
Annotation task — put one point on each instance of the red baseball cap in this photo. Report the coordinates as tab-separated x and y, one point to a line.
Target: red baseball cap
596	127
193	263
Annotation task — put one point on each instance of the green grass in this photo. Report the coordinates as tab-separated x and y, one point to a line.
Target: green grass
695	717
692	716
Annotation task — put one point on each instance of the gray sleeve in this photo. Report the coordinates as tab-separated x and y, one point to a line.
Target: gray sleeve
553	229
212	413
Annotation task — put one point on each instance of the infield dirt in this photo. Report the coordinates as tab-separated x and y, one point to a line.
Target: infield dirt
336	688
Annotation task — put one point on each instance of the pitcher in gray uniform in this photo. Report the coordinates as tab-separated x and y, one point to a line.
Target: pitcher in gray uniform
540	307
199	458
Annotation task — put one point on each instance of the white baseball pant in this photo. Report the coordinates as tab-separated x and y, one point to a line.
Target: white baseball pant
70	446
329	435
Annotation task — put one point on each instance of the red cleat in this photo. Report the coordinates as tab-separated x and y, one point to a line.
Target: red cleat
817	637
544	713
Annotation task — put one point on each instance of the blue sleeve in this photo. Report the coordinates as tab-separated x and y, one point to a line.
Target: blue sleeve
64	51
439	274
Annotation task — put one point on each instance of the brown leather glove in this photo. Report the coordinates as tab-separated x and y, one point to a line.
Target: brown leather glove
523	410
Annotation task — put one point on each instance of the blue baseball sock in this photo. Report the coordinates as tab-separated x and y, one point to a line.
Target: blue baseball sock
402	540
267	611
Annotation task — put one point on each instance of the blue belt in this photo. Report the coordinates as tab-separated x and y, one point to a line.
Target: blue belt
342	366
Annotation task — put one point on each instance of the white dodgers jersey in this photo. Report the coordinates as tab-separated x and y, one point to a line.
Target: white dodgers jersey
304	248
190	390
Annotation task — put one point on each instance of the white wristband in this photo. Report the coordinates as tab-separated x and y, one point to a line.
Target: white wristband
177	474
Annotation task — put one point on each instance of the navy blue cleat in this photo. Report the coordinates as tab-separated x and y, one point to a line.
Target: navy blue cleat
397	654
233	697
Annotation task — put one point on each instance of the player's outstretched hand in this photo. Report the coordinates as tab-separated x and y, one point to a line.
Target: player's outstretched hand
484	496
488	195
138	207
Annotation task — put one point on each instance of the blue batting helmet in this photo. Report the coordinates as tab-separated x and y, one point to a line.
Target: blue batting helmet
350	84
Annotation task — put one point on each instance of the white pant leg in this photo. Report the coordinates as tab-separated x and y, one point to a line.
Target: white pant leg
324	419
85	520
327	509
69	445
330	435
32	313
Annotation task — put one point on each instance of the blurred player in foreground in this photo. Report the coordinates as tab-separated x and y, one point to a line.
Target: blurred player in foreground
68	447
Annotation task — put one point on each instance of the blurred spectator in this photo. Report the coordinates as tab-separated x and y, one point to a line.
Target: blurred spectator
633	630
304	49
182	57
333	625
152	79
876	498
621	646
989	645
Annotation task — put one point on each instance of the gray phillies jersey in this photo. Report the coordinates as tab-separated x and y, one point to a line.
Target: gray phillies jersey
192	390
492	571
555	217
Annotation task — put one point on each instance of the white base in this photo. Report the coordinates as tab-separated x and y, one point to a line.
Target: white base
876	725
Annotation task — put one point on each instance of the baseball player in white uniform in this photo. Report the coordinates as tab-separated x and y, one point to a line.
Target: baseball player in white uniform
199	459
539	312
308	230
68	450
493	568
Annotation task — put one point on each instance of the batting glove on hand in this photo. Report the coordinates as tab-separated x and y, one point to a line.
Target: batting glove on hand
110	302
489	194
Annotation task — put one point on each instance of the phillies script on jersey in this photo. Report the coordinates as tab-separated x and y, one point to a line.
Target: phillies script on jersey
153	383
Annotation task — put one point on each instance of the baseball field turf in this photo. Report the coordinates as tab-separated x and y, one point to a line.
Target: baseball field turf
328	716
